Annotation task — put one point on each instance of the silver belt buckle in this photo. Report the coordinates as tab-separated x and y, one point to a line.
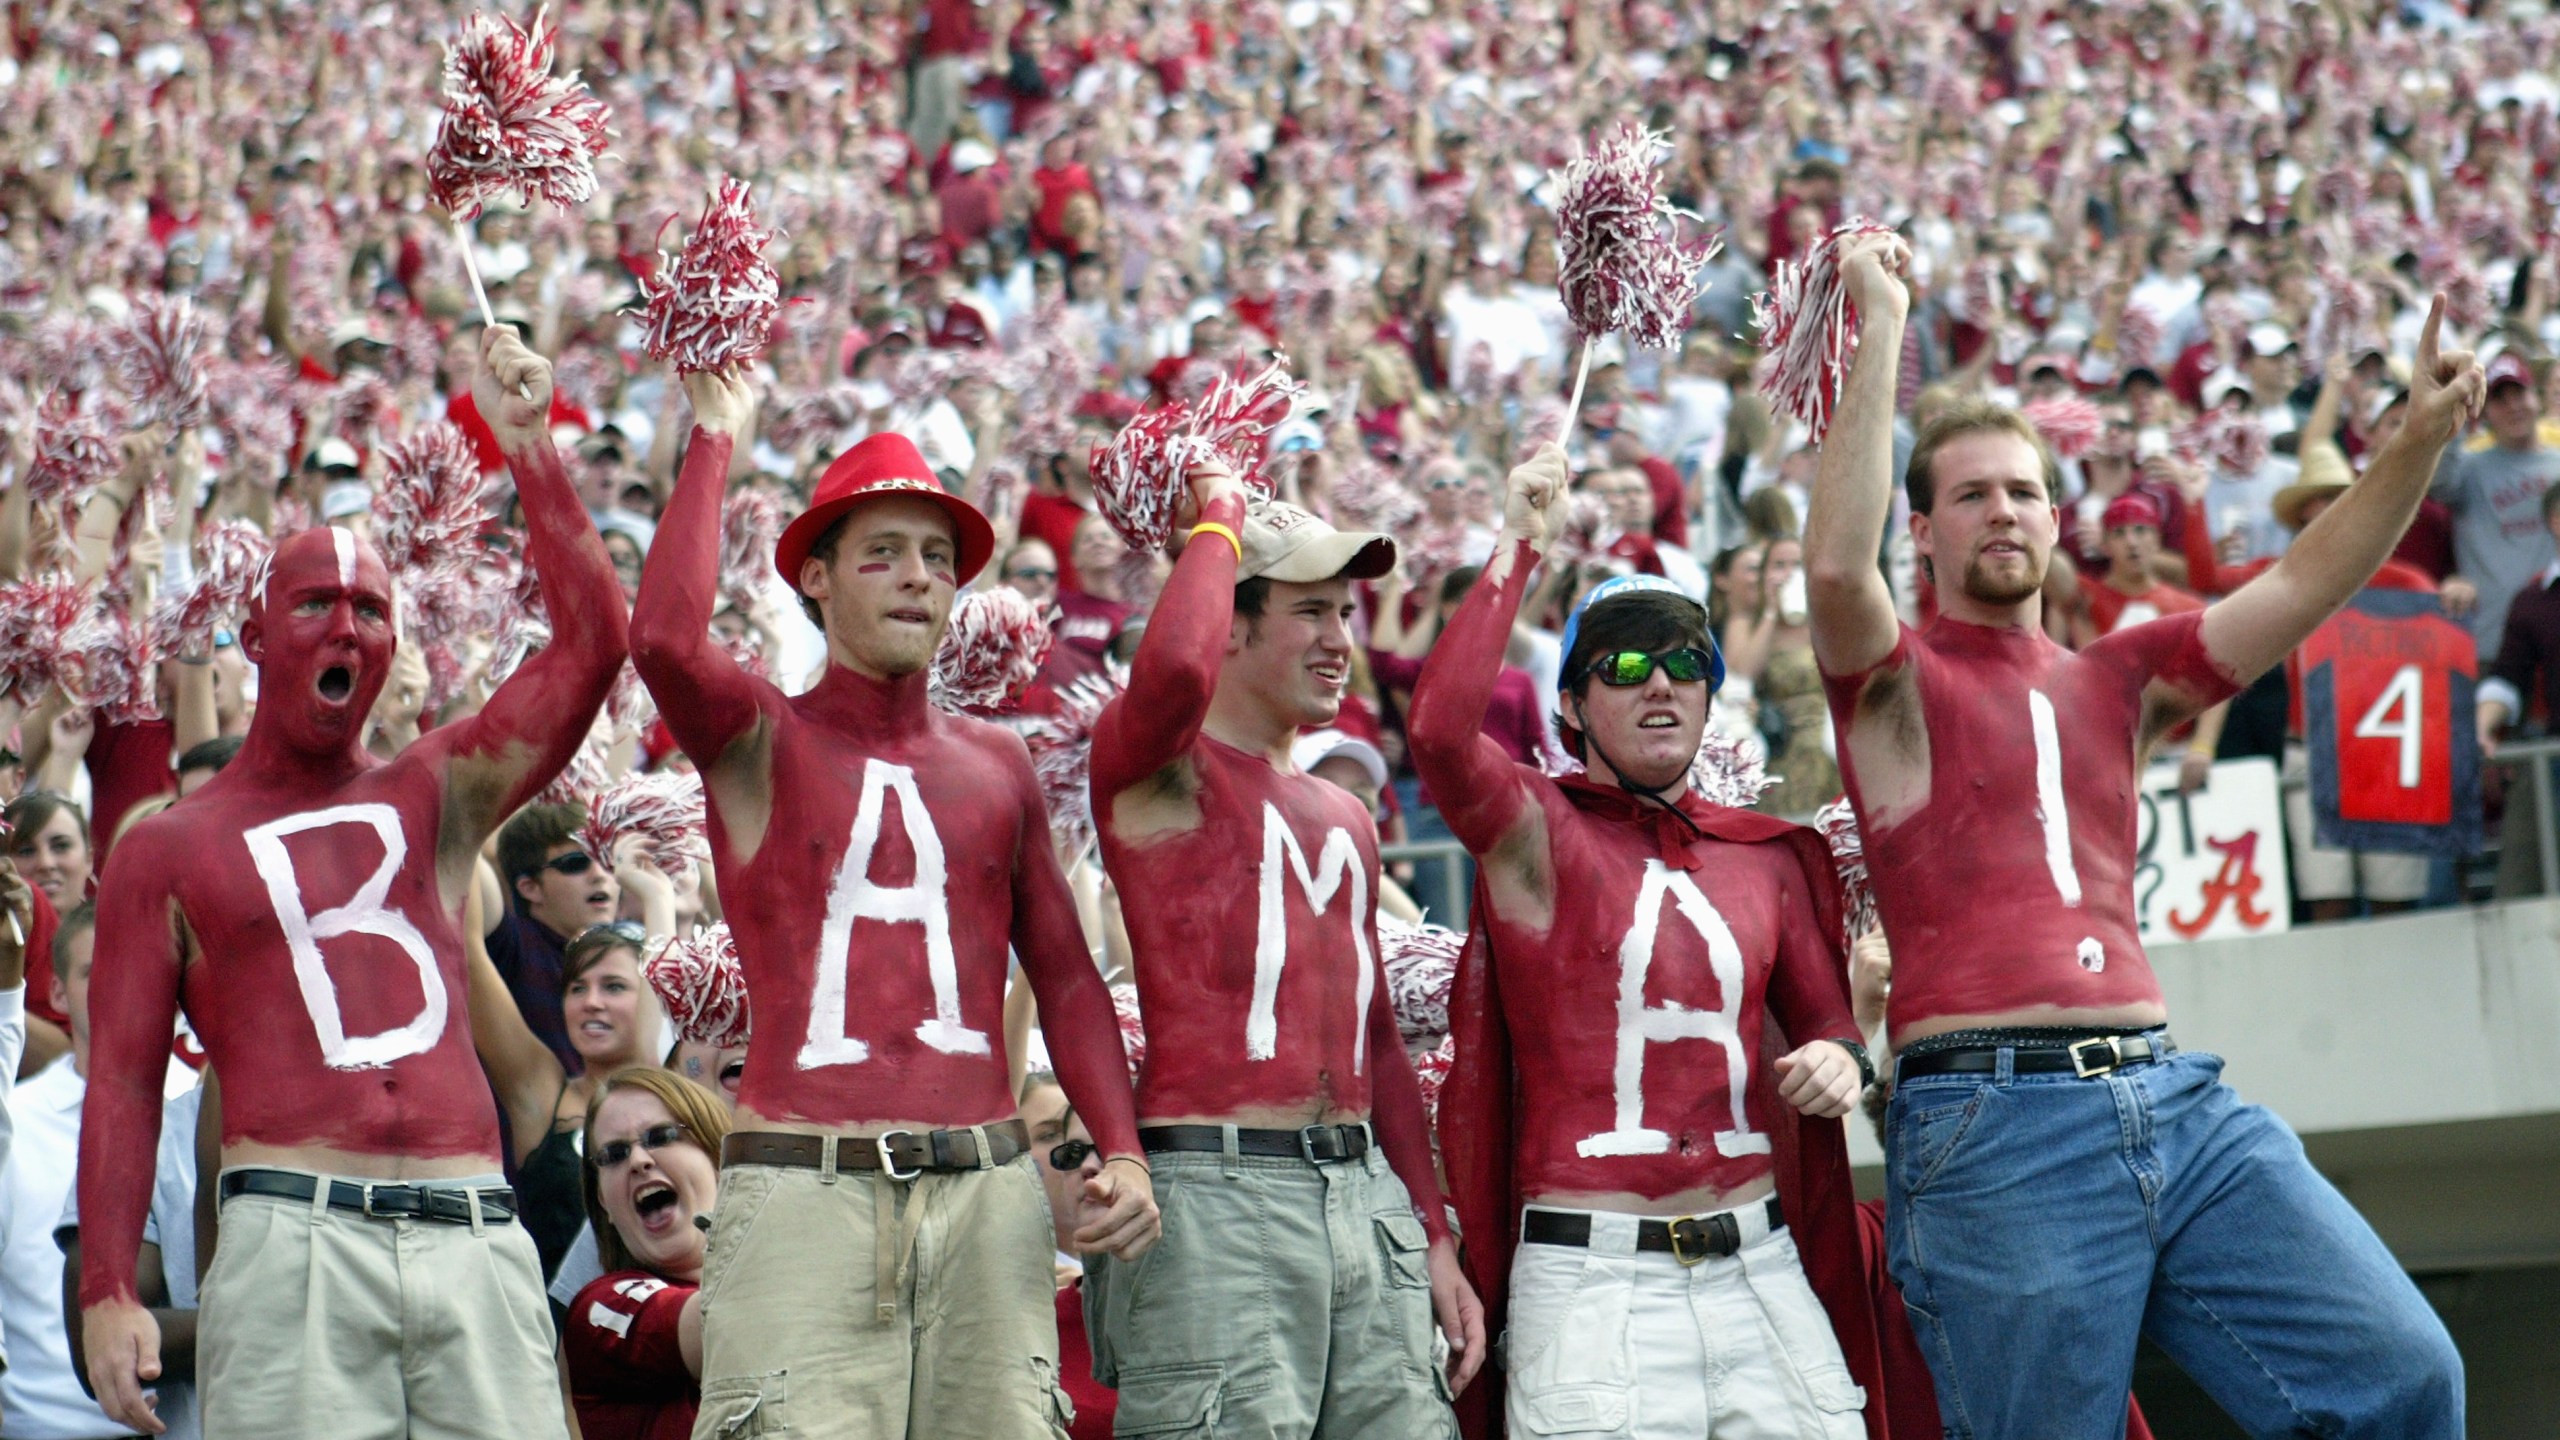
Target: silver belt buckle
888	1162
2088	1069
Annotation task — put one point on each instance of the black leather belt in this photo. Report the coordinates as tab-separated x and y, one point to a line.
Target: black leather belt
899	1154
380	1199
1689	1239
1317	1144
2088	1057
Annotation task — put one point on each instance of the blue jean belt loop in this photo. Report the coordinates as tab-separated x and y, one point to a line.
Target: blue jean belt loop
2008	1070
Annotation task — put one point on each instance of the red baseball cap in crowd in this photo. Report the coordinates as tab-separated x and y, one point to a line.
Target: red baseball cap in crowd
883	465
2509	368
2131	508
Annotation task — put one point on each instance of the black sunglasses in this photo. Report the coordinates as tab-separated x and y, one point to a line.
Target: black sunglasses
614	1153
1634	667
576	862
1070	1155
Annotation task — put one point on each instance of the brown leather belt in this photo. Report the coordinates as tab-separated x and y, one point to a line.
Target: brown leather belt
899	1154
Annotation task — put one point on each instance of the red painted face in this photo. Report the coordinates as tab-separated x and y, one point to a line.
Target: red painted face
322	638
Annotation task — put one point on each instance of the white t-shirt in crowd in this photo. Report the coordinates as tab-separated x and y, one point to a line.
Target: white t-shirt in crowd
171	1225
40	1399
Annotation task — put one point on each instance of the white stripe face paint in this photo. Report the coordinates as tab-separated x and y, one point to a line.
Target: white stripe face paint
363	914
2050	806
924	902
345	540
1337	861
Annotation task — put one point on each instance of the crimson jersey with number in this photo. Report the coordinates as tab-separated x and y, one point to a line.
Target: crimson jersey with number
1635	1004
626	1369
1255	928
2009	885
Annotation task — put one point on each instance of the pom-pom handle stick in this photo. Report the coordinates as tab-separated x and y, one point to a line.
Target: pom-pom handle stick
1621	266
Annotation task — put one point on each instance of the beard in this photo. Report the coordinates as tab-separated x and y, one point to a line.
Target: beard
1980	585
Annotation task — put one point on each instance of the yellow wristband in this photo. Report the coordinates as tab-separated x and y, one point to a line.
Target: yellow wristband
1215	528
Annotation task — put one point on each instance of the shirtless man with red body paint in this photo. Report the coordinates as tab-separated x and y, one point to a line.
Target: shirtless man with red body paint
879	1264
304	908
2060	1179
1295	1290
1610	1105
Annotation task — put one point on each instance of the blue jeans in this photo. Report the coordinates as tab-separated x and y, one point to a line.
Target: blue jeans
2039	1224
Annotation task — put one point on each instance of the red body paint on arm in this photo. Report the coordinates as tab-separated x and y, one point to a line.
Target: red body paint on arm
1176	669
706	699
1076	1015
1477	784
133	1006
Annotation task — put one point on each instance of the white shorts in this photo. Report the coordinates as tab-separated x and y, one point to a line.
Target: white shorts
2324	874
1613	1343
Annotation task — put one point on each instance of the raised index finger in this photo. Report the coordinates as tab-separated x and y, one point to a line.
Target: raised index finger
2427	337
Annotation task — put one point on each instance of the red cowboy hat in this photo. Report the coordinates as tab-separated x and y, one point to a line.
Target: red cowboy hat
885	464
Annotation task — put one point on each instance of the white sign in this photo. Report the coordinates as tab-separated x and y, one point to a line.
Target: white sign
2212	863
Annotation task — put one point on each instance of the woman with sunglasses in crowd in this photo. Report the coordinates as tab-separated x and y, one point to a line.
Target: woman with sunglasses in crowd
612	1021
633	1338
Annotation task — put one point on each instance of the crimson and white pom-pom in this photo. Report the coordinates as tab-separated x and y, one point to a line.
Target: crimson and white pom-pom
1839	826
365	409
1623	268
74	453
160	354
233	572
703	987
1730	770
664	809
1421	962
629	707
1061	745
2138	337
1368	495
712	306
750	524
746	652
2233	441
34	614
1431	1073
815	415
1133	1027
1810	330
510	124
586	774
2069	424
249	408
104	663
1138	474
991	652
428	509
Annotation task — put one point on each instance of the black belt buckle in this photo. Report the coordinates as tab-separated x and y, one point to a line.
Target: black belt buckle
1332	1137
1717	1234
2087	1069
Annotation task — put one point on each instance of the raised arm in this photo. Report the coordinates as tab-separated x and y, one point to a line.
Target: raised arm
709	703
2337	553
1083	1031
133	988
539	717
1176	670
1481	791
523	1071
1854	625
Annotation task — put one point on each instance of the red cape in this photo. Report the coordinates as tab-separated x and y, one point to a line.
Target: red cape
1811	1156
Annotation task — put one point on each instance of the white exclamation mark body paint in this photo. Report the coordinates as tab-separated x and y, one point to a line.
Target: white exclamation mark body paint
2050	806
345	540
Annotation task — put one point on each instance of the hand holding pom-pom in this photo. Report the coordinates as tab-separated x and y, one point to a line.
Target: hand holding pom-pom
1809	319
1142	478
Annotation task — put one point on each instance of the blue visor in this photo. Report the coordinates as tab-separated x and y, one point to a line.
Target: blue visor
1633	585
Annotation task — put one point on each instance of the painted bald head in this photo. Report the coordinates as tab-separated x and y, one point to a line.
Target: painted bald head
322	637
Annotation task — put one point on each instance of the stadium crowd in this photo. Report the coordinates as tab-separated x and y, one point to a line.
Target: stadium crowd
2193	242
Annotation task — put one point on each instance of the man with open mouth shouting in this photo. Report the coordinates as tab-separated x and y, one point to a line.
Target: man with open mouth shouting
304	907
1307	1249
879	1264
1621	1107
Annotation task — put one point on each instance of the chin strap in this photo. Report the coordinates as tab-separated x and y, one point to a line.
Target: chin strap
1649	792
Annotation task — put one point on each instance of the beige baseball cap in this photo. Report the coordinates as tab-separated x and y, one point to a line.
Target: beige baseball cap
1285	543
